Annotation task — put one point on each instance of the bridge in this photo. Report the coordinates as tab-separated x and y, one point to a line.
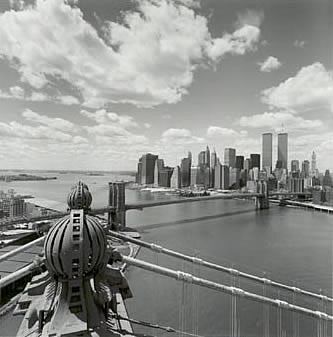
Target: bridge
116	211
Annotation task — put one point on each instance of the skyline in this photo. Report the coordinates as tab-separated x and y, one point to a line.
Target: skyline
183	75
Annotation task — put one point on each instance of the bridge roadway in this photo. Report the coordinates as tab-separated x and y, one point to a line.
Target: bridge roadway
141	205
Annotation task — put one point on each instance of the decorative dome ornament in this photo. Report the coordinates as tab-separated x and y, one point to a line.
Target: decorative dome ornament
79	197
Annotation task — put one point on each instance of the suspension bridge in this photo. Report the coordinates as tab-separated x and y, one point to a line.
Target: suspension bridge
116	211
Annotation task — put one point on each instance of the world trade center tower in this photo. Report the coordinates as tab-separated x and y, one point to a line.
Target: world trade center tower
267	151
283	150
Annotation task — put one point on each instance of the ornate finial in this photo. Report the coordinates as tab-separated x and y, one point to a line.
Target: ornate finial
79	197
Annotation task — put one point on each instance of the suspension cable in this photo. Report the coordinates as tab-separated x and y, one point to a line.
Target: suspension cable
154	326
189	278
214	266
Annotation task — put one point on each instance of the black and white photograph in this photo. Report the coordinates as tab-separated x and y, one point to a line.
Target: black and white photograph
166	168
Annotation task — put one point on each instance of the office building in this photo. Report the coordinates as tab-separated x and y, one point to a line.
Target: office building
234	177
283	150
247	164
267	150
230	157
202	158
175	181
213	159
194	175
185	171
159	164
305	169
240	162
313	164
294	165
221	177
296	185
147	168
255	160
327	180
165	176
207	157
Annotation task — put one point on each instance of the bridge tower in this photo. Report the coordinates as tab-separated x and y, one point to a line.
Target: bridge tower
262	202
117	213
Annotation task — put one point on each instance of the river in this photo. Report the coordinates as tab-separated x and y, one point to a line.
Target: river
289	245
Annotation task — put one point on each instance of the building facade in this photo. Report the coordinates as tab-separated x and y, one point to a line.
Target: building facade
230	157
283	150
267	150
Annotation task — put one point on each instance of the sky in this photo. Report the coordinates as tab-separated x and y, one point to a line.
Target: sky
94	84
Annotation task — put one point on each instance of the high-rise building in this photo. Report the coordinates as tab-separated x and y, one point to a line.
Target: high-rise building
230	157
234	177
138	176
255	160
305	169
202	158
327	180
240	162
207	157
165	176
147	168
185	171
175	181
296	185
267	149
247	164
221	177
159	164
294	165
194	175
313	164
16	207
213	159
283	150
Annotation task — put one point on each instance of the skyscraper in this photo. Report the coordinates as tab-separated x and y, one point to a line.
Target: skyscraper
294	165
305	169
159	164
207	157
221	180
175	180
202	158
230	157
213	159
240	162
147	168
267	147
185	171
255	160
313	164
247	164
283	150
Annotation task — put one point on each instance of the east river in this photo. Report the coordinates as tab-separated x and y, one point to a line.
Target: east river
290	245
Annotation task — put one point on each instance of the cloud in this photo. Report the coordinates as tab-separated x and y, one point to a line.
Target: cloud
270	64
300	44
17	92
104	117
310	87
179	137
147	125
216	131
55	123
275	120
147	58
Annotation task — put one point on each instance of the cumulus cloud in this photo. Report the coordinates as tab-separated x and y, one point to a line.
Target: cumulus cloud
216	131
17	92
270	64
104	117
310	87
55	123
146	59
275	120
179	136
